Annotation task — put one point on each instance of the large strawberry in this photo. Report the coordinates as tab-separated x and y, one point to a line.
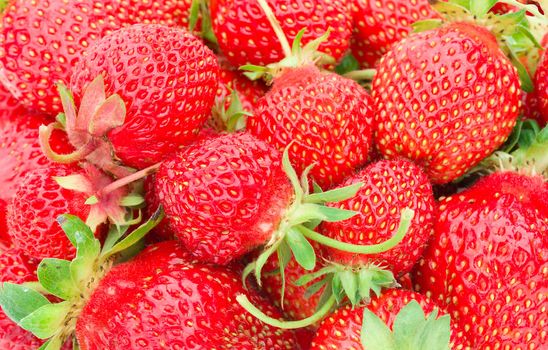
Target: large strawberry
41	41
46	193
326	118
488	261
16	268
159	86
448	97
380	24
396	310
245	35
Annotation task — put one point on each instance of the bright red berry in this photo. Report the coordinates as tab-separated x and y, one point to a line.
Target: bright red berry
327	117
163	299
445	98
488	261
246	36
541	86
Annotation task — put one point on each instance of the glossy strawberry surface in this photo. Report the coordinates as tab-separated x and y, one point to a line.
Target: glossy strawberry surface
16	268
224	196
488	261
445	98
380	24
167	79
541	86
389	187
246	36
33	212
327	117
5	239
342	329
164	300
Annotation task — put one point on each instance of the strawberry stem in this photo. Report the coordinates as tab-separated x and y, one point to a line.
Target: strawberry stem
405	222
358	75
533	9
317	316
276	26
45	133
129	179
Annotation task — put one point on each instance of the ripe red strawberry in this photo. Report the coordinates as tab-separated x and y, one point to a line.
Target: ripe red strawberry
445	98
380	24
167	79
5	239
389	187
16	268
166	12
164	300
342	330
8	103
224	196
246	36
19	147
488	261
327	117
541	86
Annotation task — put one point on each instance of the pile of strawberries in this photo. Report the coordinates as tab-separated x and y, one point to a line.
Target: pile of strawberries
273	174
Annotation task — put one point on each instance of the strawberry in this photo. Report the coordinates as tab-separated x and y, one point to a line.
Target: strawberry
163	93
146	312
245	36
343	329
541	86
437	106
389	187
8	103
17	268
46	193
5	239
488	261
380	24
326	118
41	41
19	147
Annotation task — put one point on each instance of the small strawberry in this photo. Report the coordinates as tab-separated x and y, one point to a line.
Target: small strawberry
488	261
46	193
394	320
541	86
435	105
326	118
16	268
380	24
160	94
245	35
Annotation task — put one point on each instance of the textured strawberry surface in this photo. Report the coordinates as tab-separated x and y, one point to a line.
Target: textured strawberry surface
380	24
164	300
32	214
389	187
224	196
541	86
342	329
327	117
488	261
246	36
5	239
445	98
167	79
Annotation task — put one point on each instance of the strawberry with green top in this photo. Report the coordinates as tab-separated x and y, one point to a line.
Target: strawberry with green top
488	260
245	36
393	321
380	24
448	97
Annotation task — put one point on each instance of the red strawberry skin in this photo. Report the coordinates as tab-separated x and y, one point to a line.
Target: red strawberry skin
34	209
224	196
488	261
5	239
163	300
389	187
342	329
445	98
380	24
541	86
328	117
16	268
246	36
167	78
20	150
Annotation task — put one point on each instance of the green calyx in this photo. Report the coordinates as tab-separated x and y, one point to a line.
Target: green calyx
412	330
525	151
230	119
199	10
3	5
71	281
514	31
